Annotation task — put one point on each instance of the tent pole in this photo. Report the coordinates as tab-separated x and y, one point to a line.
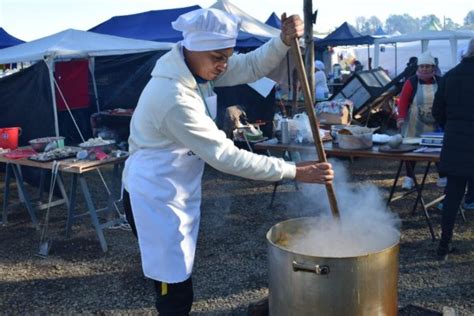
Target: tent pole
94	84
308	39
396	60
454	50
50	63
376	54
369	64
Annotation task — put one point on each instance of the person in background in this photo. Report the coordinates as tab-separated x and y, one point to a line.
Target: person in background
320	82
411	68
357	66
414	106
172	135
454	108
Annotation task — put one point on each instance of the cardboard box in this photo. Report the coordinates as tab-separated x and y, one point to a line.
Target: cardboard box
329	118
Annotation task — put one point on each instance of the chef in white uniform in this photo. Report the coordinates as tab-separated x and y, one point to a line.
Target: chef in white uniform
172	135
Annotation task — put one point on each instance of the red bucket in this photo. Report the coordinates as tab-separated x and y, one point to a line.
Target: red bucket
9	137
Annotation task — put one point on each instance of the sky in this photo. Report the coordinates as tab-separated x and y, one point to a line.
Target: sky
33	19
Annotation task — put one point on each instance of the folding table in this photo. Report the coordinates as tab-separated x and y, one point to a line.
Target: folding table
78	170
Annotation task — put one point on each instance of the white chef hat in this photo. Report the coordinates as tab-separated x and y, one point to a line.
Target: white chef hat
426	59
319	65
207	29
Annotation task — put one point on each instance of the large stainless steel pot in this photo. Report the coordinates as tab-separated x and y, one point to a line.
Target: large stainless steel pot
310	285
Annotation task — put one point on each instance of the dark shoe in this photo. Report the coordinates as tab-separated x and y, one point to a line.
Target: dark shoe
442	252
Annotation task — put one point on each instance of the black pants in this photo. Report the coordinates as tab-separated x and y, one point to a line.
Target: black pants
172	299
454	193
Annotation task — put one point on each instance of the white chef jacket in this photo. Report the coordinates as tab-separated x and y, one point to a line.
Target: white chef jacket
171	136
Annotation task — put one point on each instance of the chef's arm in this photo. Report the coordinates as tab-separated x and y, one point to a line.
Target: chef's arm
245	68
193	129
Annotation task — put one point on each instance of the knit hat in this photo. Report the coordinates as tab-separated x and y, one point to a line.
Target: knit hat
426	59
207	29
319	65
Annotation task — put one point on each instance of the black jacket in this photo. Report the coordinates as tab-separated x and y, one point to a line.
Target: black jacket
453	108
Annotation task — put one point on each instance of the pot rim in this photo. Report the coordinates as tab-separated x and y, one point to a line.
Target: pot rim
271	243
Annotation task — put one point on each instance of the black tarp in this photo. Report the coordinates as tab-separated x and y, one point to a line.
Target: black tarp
121	79
25	101
25	97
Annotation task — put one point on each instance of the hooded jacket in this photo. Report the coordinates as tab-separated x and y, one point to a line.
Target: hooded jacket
453	108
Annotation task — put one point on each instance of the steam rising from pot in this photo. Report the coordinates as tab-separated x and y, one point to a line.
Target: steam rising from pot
366	224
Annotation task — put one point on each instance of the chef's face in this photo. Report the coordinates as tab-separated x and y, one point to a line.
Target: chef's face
425	68
209	64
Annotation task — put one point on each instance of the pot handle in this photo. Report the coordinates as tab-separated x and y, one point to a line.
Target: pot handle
316	268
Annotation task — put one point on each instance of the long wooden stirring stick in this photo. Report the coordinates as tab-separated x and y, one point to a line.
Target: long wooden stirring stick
308	101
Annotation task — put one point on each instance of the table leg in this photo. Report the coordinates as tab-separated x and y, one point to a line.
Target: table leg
275	186
92	212
41	184
62	189
419	188
72	205
6	194
21	187
397	176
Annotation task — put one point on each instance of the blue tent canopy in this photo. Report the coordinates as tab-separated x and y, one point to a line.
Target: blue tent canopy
274	20
156	26
345	35
247	40
152	25
6	40
379	32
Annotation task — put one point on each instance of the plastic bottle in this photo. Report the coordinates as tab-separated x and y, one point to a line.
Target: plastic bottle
285	133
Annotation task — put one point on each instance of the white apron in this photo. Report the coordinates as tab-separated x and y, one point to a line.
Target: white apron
165	192
420	119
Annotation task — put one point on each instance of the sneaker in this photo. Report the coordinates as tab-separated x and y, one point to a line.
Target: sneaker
408	183
441	183
468	206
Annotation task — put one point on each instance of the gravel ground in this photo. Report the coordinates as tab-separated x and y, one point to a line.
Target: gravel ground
231	269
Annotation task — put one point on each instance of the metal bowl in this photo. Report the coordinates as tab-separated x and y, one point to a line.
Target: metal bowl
106	147
39	144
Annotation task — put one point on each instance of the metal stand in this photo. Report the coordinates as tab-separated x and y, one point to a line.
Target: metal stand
418	189
91	209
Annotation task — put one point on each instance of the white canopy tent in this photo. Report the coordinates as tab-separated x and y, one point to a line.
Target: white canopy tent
249	24
75	44
425	37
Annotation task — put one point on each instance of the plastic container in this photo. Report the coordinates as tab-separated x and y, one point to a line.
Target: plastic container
361	141
9	137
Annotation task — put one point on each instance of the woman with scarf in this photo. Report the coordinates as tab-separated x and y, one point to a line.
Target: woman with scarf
415	104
